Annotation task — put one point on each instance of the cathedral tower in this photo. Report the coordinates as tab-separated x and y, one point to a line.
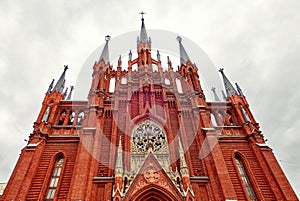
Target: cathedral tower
146	134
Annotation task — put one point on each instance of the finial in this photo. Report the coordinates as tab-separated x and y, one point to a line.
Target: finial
66	92
142	13
120	61
239	89
70	94
130	55
50	86
158	55
224	96
66	68
179	39
169	62
215	94
107	38
221	70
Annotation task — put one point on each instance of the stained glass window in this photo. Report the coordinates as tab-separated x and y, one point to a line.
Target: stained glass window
55	178
245	179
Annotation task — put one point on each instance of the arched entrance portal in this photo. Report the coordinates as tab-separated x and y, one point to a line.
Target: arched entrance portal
155	193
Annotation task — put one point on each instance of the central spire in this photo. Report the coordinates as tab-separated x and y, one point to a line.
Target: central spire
143	34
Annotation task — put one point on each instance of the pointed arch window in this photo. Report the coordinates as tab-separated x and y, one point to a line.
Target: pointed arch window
124	80
245	115
56	175
80	118
112	84
46	114
167	81
245	179
71	119
179	86
213	119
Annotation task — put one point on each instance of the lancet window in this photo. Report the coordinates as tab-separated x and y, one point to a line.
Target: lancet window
80	118
46	114
112	84
245	179
54	181
72	117
245	115
179	86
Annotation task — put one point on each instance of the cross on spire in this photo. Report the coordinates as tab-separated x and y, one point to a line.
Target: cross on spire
142	13
107	38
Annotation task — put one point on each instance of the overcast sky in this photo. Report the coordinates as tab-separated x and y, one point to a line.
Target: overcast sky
257	42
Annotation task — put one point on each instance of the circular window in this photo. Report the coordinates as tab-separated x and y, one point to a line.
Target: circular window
148	136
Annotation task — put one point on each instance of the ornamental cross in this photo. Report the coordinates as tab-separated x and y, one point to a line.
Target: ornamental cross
142	13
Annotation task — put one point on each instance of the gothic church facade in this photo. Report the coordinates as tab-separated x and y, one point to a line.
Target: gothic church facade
155	137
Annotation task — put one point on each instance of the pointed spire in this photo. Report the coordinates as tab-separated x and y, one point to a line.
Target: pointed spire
66	92
130	55
215	94
169	62
119	161
158	56
230	90
180	146
183	55
183	166
105	52
239	89
224	96
62	87
70	94
143	34
181	154
61	81
50	87
120	61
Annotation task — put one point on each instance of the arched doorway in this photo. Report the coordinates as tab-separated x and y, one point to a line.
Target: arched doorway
153	195
154	192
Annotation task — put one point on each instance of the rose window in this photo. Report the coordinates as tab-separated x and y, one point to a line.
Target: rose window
148	136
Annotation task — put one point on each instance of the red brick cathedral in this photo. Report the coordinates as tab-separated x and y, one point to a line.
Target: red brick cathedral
146	134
